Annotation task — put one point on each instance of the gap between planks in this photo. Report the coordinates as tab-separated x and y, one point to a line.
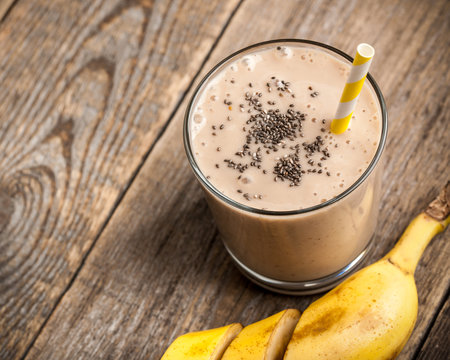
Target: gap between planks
133	176
5	8
439	310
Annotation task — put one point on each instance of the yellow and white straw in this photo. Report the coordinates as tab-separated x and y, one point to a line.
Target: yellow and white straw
355	82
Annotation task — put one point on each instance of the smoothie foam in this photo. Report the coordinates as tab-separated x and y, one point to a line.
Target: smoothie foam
240	150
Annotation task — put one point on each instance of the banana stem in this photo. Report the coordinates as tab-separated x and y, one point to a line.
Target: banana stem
407	252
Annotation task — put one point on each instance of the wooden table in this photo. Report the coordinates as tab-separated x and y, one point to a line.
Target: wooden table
107	247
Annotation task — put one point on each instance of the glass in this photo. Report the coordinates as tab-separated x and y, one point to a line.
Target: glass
300	251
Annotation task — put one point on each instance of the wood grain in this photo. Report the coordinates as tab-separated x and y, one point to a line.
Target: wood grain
86	87
159	270
437	343
5	6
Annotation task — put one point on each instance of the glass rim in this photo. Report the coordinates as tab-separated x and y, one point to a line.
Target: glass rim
211	188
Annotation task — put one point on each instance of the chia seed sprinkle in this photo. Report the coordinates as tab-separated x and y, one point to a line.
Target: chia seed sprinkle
289	168
268	130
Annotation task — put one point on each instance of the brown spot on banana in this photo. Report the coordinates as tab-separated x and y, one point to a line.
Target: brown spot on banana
321	324
398	267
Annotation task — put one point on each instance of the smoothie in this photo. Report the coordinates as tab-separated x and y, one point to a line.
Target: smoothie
259	130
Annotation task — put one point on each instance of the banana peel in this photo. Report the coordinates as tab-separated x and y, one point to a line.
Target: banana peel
202	345
369	316
264	340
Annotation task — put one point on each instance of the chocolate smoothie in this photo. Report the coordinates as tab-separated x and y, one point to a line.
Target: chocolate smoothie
260	136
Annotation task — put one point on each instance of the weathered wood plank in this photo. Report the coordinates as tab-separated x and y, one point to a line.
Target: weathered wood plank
437	343
159	270
85	88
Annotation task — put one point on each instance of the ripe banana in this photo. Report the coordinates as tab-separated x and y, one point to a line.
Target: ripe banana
264	340
372	314
202	345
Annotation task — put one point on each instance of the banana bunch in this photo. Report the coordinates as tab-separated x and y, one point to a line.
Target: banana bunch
371	315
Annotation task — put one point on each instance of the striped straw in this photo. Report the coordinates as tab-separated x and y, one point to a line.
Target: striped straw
355	82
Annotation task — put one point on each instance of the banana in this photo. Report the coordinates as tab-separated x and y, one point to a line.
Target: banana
371	315
265	339
202	345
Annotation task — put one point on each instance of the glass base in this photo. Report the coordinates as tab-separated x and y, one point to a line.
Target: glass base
302	287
